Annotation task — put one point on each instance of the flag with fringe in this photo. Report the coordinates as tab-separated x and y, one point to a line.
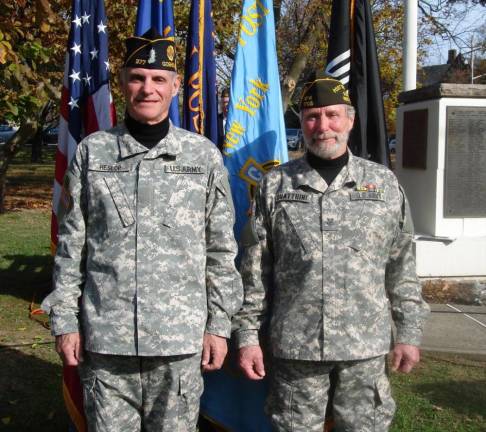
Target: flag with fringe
86	107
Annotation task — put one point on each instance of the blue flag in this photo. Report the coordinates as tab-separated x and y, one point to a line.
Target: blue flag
254	143
200	93
255	131
159	15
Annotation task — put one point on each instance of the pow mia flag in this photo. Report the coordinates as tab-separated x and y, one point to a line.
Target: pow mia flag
353	60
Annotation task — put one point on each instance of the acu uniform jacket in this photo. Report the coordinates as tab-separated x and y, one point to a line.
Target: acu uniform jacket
324	263
146	243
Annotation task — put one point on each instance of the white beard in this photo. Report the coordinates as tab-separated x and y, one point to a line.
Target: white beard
323	150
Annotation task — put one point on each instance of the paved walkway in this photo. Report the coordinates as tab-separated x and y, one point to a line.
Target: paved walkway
456	329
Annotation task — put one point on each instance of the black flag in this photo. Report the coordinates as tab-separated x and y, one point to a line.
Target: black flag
353	60
339	46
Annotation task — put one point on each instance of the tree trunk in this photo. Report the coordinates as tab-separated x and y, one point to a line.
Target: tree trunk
321	24
300	60
42	123
36	155
277	6
11	147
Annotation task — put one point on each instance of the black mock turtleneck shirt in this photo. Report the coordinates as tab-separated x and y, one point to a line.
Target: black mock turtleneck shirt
328	169
145	134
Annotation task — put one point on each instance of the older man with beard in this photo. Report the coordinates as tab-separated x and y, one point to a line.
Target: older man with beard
328	266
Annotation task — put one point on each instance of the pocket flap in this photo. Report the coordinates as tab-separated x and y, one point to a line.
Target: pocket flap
120	200
300	227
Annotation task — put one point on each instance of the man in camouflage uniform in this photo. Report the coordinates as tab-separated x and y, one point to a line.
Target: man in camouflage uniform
145	282
329	249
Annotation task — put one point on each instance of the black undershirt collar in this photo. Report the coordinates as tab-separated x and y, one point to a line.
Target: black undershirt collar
147	135
328	169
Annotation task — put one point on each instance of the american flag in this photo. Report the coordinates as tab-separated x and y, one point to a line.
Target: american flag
86	103
86	106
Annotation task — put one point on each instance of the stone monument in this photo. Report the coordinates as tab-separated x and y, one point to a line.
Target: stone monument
441	163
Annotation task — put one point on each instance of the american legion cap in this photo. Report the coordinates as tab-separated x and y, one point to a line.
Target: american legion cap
323	90
150	51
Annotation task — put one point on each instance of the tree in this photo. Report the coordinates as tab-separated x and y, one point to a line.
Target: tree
303	34
29	53
33	37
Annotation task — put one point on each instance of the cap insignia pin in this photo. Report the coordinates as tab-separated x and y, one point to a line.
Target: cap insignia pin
151	58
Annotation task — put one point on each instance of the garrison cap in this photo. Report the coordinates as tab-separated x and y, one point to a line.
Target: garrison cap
150	51
323	90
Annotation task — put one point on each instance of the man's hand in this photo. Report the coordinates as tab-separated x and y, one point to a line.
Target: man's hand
405	357
213	353
250	360
69	346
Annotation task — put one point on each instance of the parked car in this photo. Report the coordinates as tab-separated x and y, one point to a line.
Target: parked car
294	138
6	132
392	145
50	135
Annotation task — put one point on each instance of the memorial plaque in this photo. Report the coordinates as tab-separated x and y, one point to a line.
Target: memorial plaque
465	165
415	139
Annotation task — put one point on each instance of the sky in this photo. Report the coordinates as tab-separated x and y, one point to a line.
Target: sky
438	51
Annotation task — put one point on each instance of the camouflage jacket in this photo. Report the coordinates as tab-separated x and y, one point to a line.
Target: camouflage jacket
146	244
324	263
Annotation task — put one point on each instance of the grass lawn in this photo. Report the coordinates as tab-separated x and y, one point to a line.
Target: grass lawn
445	393
30	378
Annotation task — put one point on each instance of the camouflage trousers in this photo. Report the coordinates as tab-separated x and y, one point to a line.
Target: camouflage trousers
128	393
298	396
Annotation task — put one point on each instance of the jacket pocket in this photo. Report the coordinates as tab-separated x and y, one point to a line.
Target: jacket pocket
384	403
190	391
121	201
292	229
280	403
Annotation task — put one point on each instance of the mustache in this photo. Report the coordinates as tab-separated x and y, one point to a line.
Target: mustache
324	136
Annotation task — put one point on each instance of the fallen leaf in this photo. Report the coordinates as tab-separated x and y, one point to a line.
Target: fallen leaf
6	420
22	328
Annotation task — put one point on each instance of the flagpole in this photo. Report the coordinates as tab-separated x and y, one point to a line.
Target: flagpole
410	46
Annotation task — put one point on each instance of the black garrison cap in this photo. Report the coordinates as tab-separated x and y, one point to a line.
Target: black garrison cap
322	90
150	51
